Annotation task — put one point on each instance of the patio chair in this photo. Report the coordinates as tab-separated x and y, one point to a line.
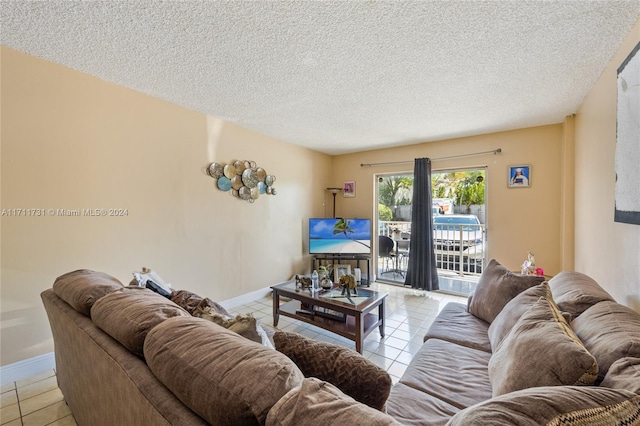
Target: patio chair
385	251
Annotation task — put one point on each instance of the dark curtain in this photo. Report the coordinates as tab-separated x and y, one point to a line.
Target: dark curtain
422	272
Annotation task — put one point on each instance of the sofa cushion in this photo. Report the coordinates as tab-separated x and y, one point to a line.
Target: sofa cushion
609	331
575	292
496	286
624	374
453	373
220	375
540	350
414	407
455	324
83	287
553	405
129	314
513	310
346	369
315	402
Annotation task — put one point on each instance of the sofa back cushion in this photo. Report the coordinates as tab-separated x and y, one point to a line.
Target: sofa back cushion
496	287
575	292
220	375
315	402
624	374
609	331
554	405
129	314
513	310
81	288
540	350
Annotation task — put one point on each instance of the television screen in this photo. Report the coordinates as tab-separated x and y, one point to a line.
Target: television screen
339	236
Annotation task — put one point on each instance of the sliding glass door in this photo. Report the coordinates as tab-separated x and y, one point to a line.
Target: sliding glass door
395	193
459	211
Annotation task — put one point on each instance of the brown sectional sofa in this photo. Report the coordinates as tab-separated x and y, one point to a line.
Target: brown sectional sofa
520	352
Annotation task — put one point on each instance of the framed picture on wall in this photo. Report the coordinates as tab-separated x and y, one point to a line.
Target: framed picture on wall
519	176
627	190
349	189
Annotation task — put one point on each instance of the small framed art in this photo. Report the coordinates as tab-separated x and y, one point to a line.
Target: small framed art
519	176
340	270
349	189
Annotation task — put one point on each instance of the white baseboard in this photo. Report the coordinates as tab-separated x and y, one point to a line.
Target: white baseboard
26	368
246	298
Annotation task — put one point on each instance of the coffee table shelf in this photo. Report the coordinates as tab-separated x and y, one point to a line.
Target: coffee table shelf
345	329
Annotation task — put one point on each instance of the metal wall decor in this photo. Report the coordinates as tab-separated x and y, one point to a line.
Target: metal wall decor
243	178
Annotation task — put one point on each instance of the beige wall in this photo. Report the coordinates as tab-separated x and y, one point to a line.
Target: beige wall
606	250
72	141
518	220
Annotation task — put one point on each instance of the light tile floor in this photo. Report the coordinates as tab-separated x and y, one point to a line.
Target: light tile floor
37	401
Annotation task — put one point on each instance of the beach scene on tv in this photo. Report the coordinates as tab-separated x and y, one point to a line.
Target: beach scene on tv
339	236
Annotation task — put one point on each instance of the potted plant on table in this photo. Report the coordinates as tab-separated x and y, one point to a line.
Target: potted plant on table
325	281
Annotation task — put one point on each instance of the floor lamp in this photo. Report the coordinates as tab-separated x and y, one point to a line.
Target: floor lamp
334	191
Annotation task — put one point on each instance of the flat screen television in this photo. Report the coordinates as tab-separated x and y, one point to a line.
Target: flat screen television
339	236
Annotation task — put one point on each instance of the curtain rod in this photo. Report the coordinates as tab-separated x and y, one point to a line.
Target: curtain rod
493	151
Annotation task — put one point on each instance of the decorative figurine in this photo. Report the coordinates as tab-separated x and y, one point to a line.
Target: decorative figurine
529	265
348	283
303	282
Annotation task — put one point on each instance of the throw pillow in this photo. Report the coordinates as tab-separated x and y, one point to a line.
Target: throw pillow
346	369
194	304
541	350
83	287
513	310
245	325
496	287
554	405
320	403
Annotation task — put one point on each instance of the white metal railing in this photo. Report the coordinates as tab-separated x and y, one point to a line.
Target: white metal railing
388	227
459	248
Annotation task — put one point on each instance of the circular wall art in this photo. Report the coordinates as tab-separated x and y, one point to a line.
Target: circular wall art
224	183
229	171
243	179
215	170
250	178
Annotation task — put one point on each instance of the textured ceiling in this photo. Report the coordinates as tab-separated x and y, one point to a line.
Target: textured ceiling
339	76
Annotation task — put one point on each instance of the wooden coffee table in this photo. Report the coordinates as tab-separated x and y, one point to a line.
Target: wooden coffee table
354	319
